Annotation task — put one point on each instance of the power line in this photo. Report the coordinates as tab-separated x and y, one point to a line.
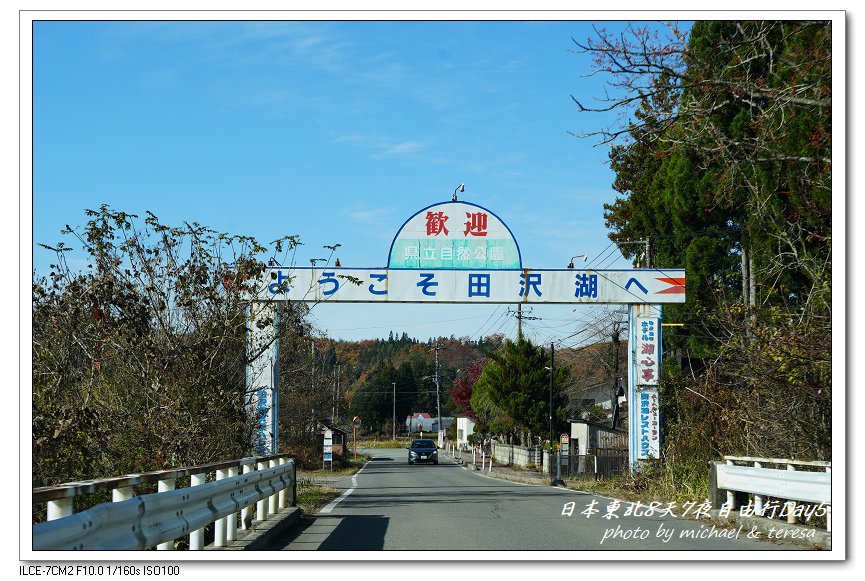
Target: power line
598	258
410	324
477	333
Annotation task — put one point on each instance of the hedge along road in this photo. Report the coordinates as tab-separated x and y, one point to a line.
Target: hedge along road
390	505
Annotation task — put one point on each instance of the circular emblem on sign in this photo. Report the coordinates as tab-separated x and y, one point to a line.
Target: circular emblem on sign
455	235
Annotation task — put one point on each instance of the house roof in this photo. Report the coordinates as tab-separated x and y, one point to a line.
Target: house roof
331	426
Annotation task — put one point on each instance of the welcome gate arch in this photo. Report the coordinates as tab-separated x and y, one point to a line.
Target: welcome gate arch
457	252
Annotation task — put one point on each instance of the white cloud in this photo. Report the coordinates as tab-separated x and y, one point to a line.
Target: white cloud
403	148
375	216
380	146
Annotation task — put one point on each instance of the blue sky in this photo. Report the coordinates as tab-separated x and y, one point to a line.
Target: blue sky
334	131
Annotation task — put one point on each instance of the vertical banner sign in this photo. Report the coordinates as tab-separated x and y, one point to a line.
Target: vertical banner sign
644	372
648	351
328	447
648	421
261	376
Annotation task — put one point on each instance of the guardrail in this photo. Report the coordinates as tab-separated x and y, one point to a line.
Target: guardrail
157	519
788	484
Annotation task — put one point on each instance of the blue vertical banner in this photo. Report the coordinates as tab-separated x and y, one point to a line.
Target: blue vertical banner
262	373
644	372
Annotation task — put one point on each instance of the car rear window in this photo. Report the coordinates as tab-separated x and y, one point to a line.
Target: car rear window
422	444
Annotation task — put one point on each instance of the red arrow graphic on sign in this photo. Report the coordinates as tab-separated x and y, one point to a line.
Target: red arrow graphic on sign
677	288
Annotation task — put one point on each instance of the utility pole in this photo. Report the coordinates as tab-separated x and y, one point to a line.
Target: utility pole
520	317
615	400
438	399
552	358
394	410
312	358
337	394
519	321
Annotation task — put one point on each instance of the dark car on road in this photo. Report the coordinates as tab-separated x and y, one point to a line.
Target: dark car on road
423	451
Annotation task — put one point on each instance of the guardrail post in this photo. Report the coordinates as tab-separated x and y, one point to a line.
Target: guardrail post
791	505
758	498
272	499
261	505
293	500
283	493
716	495
829	508
165	486
246	513
122	493
731	496
220	536
231	520
196	538
60	508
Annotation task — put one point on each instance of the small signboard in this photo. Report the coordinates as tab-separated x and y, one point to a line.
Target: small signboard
648	353
648	445
564	439
328	447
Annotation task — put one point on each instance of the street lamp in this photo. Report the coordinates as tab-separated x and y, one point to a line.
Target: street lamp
583	256
461	188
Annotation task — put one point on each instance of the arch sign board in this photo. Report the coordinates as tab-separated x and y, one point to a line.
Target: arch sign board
456	252
459	252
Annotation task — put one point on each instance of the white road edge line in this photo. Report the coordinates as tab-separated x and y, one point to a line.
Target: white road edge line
556	488
344	495
333	503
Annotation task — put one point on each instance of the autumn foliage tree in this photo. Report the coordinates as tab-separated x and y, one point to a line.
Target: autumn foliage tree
722	155
463	387
139	361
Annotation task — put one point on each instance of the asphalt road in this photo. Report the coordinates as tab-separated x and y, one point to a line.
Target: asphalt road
390	505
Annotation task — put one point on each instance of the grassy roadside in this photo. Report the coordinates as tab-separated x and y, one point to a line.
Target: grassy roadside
384	443
312	493
312	496
623	488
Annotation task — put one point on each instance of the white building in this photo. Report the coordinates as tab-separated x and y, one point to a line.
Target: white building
465	428
420	422
425	422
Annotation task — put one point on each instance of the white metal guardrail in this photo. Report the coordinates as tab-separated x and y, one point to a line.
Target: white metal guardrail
157	519
789	483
